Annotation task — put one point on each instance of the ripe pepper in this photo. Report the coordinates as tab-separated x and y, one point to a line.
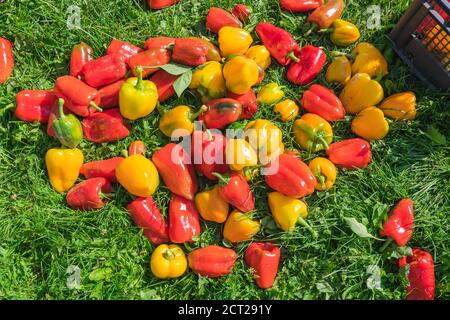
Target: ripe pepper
344	33
147	216
137	97
248	102
126	49
265	138
164	83
34	105
239	227
324	171
6	60
240	154
136	147
101	169
421	275
279	42
209	81
211	205
168	261
293	177
81	54
264	258
213	52
368	59
220	113
312	132
178	121
400	106
361	92
160	4
105	70
109	95
242	12
212	261
326	14
271	93
189	52
300	5
218	18
63	166
339	71
240	74
67	128
234	40
184	221
159	43
87	195
105	126
399	226
311	61
176	170
287	109
235	190
323	102
151	57
350	154
370	124
138	175
261	56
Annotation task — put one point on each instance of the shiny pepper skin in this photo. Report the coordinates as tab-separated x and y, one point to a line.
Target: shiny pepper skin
287	110
34	105
399	225
101	169
63	166
240	73
300	5
164	83
67	128
240	154
161	4
242	12
326	14
213	52
261	56
323	102
361	92
178	121
189	52
212	261
400	106
126	49
137	147
109	95
350	154
220	113
344	33
370	124
312	132
265	138
81	54
86	195
184	221
234	40
168	261
235	190
159	43
369	60
339	71
311	61
211	205
248	102
239	227
6	60
264	258
150	57
325	172
218	18
105	126
105	70
209	81
270	93
421	275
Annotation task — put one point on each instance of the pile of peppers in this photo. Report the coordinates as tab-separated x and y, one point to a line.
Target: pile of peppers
128	83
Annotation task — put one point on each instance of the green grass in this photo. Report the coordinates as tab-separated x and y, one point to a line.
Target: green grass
40	236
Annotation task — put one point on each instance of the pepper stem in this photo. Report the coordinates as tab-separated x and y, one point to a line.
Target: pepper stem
139	84
386	244
311	29
168	255
198	113
223	180
340	53
322	180
323	141
92	104
124	153
305	224
208	132
160	109
61	108
291	55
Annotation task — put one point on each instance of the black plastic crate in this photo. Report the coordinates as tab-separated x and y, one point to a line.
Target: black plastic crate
422	39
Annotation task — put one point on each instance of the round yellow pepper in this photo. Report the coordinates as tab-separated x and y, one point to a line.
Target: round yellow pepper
325	172
240	154
361	92
286	211
63	166
270	93
266	138
261	56
240	73
339	71
400	106
211	205
312	132
168	261
287	109
209	81
370	124
239	227
179	118
234	40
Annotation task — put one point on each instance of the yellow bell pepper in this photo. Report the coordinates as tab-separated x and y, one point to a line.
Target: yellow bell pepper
325	172
179	118
138	175
240	73
361	92
168	261
270	93
368	59
261	56
344	33
239	227
312	132
266	138
63	166
137	97
209	81
339	71
400	106
370	124
287	109
211	205
234	40
240	154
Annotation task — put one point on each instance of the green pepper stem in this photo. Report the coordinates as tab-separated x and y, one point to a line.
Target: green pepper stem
61	108
386	244
124	153
139	84
208	132
168	255
340	53
160	108
223	180
311	29
322	180
326	30
198	113
95	106
305	224
291	55
323	141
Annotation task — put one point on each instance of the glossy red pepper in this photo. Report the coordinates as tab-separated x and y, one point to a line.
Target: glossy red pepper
146	215
323	102
311	61
350	154
248	101
81	54
159	43
164	83
87	195
105	70
101	169
34	105
105	126
126	49
151	57
399	225
184	220
174	166
160	4
137	147
212	261
6	60
242	12
421	275
208	150
235	190
264	258
189	52
109	95
218	18
221	112
300	5
324	16
279	42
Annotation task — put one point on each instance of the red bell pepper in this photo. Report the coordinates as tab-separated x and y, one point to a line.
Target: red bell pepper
105	126
109	95
81	54
6	60
323	102
350	154
105	70
159	43
137	147
235	190
300	5
212	261
189	52
151	57
126	49
164	83
160	4
400	224
101	169
174	166
34	105
248	101
221	112
279	42
421	275
264	258
184	220
218	18
311	61
87	194
146	215
242	12
324	16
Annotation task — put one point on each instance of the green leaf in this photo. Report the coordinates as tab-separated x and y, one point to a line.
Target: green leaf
175	69
437	138
401	252
100	274
183	82
359	229
324	287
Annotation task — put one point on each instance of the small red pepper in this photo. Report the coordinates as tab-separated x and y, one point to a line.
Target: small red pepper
324	16
279	42
212	261
400	224
164	83
160	4
311	61
174	166
323	102
218	18
151	57
105	70
126	49
105	126
86	195
6	60
109	95
81	54
189	52
34	105
242	12
350	154
101	169
146	215
159	43
221	112
137	147
421	275
264	258
235	190
248	101
184	220
300	5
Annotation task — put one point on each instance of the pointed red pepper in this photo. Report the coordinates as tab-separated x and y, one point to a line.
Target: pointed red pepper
184	220
86	195
311	61
151	57
146	215
421	275
101	169
164	83
300	5
34	105
324	16
218	18
220	113
126	49
159	43
212	261
105	70
399	225
264	258
323	102
235	190
242	12
160	4
189	52
6	60
137	147
109	95
81	54
105	126
350	154
248	101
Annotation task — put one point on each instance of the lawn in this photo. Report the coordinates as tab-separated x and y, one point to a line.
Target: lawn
40	237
